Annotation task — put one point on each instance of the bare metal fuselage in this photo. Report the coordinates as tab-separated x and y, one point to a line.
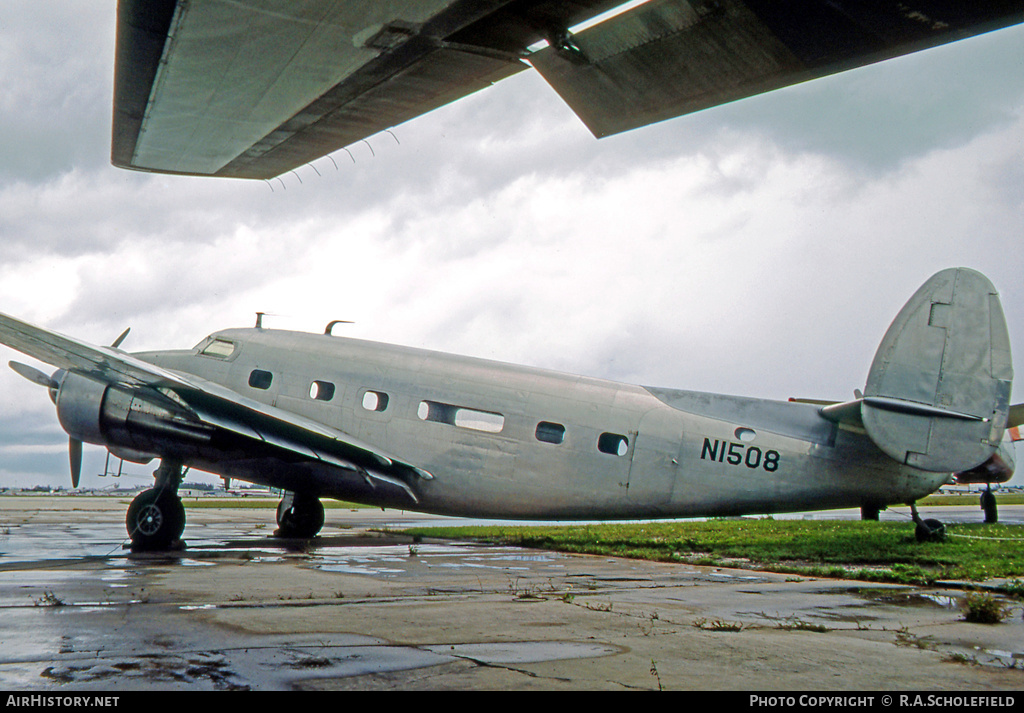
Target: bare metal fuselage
518	442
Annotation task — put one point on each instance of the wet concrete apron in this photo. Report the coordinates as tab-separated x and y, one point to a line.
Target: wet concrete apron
365	608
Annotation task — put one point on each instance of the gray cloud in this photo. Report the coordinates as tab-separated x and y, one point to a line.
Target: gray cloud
56	78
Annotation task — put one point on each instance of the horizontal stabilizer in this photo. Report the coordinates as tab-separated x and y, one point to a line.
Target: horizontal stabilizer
1016	416
937	394
847	413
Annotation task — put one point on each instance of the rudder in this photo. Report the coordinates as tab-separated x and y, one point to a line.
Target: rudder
937	395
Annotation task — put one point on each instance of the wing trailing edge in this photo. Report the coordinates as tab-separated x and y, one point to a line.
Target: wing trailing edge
667	58
253	90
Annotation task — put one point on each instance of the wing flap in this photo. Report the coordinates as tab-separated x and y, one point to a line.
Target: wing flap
667	58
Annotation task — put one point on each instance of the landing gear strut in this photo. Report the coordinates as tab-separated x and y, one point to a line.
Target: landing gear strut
988	504
927	530
870	512
299	515
156	517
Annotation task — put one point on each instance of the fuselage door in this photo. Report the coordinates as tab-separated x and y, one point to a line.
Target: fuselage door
656	458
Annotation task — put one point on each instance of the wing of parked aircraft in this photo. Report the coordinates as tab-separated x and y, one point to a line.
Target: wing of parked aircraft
188	404
255	88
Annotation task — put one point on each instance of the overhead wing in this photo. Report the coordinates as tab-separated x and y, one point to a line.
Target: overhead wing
670	57
205	403
255	88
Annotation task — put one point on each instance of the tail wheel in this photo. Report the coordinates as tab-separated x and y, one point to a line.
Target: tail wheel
156	519
302	517
988	505
930	531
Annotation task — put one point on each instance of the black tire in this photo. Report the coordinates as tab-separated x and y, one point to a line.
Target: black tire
930	531
303	519
155	520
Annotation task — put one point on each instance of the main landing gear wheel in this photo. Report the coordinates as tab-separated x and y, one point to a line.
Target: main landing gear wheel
869	512
156	519
299	516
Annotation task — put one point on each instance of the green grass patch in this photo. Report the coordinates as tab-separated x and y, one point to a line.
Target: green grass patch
984	608
873	551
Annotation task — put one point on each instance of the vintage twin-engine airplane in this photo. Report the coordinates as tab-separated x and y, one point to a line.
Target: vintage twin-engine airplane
325	416
256	88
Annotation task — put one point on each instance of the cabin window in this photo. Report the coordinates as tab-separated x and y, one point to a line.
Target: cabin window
479	420
460	416
220	348
321	390
745	434
613	444
260	379
436	411
548	432
375	401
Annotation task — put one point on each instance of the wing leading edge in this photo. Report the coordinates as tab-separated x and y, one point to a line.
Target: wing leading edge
210	405
255	89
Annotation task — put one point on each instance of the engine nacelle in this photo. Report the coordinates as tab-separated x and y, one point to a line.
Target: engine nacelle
79	402
109	416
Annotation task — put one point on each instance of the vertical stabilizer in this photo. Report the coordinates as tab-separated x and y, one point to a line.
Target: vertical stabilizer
937	396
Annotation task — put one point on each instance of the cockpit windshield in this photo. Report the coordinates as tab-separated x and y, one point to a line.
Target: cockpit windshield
216	347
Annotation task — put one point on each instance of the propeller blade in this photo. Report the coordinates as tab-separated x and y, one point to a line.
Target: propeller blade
117	342
75	453
33	374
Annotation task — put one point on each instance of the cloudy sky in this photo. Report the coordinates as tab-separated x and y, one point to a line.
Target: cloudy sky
760	248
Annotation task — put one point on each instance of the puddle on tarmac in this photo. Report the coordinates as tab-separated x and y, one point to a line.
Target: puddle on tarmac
201	660
903	597
393	560
369	569
943	600
527	558
1010	659
519	652
188	562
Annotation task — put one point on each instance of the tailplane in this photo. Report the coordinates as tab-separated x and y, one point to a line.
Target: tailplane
937	395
